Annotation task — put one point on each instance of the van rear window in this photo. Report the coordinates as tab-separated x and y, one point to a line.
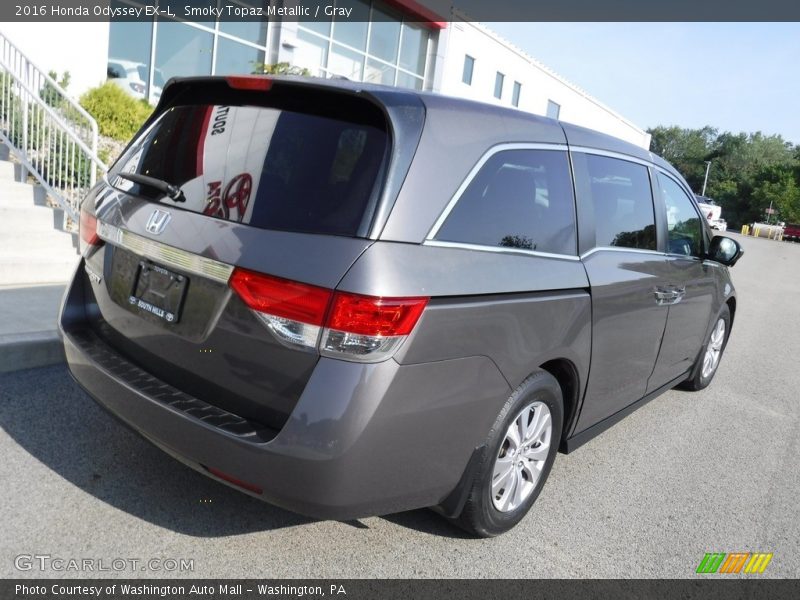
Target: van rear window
262	166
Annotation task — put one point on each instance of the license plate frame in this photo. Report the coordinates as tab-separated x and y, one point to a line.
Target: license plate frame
159	292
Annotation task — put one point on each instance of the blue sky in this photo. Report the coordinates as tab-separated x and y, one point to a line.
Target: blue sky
732	76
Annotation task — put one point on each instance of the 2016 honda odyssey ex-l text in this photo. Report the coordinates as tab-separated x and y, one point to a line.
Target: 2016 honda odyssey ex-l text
352	300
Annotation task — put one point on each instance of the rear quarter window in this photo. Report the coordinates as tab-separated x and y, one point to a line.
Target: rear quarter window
518	199
262	166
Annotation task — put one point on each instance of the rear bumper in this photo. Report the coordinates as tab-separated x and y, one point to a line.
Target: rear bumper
362	440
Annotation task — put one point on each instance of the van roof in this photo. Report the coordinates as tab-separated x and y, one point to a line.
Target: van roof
435	103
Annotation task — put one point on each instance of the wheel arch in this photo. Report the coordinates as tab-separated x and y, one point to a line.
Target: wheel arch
566	373
731	302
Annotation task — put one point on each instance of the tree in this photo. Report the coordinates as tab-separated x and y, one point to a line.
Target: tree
747	170
779	189
686	149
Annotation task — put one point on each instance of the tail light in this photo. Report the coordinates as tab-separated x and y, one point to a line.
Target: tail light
338	324
366	328
293	311
88	231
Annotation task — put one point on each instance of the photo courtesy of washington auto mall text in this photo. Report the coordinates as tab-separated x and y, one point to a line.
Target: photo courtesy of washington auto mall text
200	589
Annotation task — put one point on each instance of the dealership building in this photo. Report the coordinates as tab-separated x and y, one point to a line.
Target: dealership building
397	43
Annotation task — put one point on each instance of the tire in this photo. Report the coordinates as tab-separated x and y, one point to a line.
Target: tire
711	355
489	512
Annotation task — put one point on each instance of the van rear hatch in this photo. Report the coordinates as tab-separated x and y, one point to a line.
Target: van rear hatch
238	175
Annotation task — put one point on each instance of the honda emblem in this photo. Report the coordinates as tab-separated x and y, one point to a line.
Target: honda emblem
157	221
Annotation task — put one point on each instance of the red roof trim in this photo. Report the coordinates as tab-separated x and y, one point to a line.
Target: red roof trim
430	18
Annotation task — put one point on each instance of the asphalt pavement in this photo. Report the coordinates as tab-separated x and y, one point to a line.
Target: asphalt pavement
689	473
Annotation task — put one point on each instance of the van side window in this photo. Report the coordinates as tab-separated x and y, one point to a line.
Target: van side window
622	201
684	229
519	199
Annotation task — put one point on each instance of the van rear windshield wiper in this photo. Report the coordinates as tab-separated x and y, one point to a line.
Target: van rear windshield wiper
170	190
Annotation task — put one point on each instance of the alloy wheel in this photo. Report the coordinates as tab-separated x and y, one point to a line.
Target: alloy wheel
522	456
714	350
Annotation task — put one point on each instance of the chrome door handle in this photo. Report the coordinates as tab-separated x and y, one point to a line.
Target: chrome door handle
670	295
663	296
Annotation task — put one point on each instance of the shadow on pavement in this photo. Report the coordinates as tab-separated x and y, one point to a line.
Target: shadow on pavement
48	415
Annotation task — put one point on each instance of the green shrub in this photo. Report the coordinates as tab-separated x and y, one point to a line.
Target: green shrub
50	94
281	68
118	115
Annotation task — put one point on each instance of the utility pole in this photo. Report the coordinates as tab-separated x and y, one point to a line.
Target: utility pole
705	181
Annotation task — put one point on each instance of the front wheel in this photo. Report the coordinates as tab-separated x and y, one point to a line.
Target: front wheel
708	362
520	451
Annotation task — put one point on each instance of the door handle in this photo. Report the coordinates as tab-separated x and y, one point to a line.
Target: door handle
669	295
664	296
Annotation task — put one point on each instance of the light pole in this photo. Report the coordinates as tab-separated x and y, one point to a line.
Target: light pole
705	181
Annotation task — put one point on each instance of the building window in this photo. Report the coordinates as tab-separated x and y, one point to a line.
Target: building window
469	67
553	109
235	58
373	44
498	85
384	49
515	95
182	50
143	55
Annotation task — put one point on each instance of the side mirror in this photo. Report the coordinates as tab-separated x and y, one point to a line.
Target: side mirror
725	250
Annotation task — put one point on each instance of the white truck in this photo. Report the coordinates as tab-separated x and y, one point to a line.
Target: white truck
712	212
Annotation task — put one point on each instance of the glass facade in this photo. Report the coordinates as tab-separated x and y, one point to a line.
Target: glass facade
390	50
386	49
142	56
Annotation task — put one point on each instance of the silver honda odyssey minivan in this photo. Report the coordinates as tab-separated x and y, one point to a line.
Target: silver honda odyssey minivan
352	300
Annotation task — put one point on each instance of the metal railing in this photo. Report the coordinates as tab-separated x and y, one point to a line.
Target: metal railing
49	133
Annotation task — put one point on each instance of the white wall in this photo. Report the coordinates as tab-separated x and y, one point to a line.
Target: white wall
80	48
539	84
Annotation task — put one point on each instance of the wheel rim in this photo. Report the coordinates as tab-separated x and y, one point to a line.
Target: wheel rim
520	460
714	350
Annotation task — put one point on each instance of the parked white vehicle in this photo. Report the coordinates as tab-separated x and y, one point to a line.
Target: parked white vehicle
131	77
719	224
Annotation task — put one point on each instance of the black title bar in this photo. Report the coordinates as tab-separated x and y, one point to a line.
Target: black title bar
431	11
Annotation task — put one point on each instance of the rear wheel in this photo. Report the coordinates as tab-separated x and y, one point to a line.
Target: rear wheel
708	362
519	453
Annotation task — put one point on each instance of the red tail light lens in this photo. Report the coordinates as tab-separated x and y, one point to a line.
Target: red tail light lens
281	297
358	328
368	315
88	231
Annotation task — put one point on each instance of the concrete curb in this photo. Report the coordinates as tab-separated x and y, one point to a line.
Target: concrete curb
29	350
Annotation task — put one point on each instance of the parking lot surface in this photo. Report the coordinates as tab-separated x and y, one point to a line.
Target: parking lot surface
689	473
